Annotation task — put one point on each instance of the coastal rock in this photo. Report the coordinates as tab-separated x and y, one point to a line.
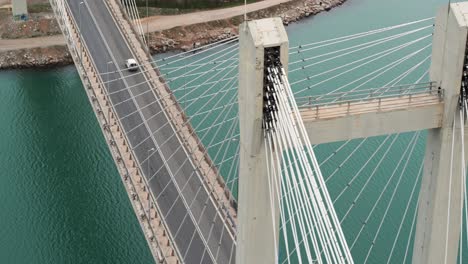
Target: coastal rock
37	57
180	38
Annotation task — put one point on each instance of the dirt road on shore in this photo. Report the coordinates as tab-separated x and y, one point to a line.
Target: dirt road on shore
155	23
158	23
28	43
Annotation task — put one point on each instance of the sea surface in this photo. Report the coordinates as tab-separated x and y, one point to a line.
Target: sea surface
62	200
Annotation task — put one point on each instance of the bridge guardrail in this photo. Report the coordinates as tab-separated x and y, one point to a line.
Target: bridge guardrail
106	128
369	94
379	104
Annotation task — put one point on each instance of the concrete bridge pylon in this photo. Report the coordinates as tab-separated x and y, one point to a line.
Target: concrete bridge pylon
440	201
255	240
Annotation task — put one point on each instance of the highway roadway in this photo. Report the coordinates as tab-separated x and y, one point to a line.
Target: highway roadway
192	218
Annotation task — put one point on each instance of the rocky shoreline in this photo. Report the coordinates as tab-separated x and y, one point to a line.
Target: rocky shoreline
35	58
179	38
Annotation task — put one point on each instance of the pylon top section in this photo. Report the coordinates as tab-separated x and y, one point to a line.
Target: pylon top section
460	10
268	32
449	52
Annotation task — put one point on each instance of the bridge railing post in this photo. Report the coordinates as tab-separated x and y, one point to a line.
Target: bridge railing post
257	217
438	221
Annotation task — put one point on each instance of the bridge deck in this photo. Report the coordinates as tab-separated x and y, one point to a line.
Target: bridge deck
332	122
189	211
310	113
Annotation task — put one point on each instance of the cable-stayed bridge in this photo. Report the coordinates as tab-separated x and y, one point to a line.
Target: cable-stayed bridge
215	146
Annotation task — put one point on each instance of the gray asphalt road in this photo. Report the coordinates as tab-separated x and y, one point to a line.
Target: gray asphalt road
190	214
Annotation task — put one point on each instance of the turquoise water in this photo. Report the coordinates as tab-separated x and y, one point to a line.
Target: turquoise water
61	197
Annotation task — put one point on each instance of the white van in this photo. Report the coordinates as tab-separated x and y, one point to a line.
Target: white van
131	65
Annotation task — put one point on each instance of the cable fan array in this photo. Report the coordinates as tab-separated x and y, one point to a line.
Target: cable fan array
464	84
381	61
132	12
288	146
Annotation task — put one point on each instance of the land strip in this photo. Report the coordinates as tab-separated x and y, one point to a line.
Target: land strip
178	32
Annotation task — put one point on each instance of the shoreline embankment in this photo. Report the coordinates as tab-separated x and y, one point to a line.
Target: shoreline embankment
179	38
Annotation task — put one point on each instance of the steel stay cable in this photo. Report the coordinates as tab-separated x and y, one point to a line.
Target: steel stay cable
377	42
391	199
325	193
291	200
148	81
152	176
183	124
280	128
309	187
269	149
232	39
190	118
380	71
386	52
375	57
382	143
175	173
196	65
172	91
406	210
301	202
362	33
135	18
155	142
296	145
349	156
133	15
355	95
317	169
354	150
381	55
153	62
411	231
277	184
179	195
449	191
160	98
464	193
168	106
184	75
163	109
356	175
366	46
101	80
193	51
231	104
138	21
333	153
179	168
224	52
298	198
231	131
163	83
235	166
219	165
358	195
409	147
175	103
409	71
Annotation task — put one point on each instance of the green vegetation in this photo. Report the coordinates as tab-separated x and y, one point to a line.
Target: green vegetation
39	8
156	11
162	7
192	5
